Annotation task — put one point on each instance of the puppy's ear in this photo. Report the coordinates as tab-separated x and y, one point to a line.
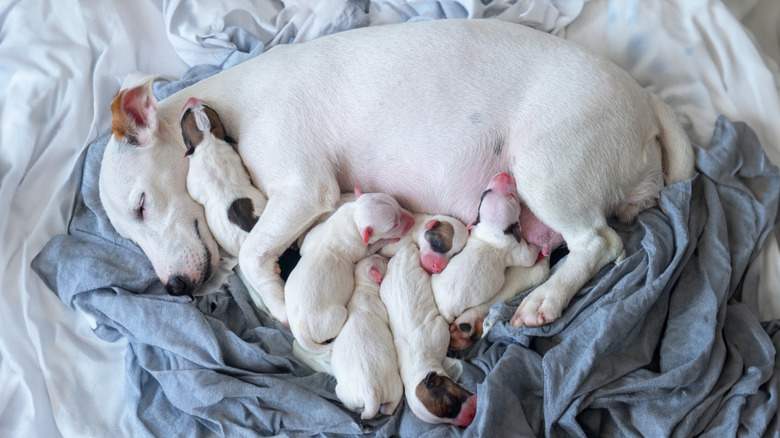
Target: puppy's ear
367	234
134	113
376	276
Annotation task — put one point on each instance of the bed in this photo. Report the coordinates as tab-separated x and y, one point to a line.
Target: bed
680	339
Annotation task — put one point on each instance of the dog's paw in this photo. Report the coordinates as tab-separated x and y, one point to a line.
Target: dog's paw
537	309
464	334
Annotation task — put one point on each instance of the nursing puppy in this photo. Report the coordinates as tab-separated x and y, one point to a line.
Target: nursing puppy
439	237
363	360
321	284
217	178
581	138
421	337
475	277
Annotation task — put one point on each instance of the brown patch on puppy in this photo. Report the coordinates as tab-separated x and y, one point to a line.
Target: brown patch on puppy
441	395
440	237
189	132
242	213
217	128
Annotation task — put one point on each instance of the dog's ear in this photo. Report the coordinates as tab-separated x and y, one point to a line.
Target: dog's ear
134	113
367	234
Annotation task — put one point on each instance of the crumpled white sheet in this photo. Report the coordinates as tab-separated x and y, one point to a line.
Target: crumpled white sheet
61	61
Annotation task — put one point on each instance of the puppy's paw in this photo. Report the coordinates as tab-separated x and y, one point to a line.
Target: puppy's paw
537	309
464	332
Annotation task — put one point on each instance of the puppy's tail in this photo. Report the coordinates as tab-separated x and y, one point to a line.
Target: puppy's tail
677	151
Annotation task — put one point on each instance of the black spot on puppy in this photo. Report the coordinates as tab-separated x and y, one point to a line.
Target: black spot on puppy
242	213
440	237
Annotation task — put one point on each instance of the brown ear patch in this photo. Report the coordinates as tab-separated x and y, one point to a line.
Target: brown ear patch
217	128
441	395
121	122
440	237
190	133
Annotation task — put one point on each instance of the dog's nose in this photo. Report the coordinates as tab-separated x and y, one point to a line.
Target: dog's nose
179	285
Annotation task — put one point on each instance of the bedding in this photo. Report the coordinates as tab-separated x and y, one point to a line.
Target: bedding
677	340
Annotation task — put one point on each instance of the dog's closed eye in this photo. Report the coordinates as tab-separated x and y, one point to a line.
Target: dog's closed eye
139	212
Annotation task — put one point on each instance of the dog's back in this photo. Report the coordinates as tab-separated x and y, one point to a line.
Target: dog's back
364	361
421	338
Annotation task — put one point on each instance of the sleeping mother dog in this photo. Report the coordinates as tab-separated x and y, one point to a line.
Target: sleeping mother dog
426	112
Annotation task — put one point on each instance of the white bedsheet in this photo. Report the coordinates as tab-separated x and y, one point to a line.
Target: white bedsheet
61	62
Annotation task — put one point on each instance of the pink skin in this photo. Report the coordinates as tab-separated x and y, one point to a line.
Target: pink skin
467	412
433	262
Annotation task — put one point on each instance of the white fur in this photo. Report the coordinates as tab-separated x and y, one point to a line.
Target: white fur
426	112
215	179
321	284
420	333
476	274
363	360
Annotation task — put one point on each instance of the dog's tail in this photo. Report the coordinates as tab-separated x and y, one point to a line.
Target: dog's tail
677	151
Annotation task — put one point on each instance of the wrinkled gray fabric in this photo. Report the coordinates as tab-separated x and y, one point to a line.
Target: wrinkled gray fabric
661	345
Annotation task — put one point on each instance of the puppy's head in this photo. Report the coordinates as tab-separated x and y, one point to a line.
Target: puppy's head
379	217
201	123
371	270
438	399
143	189
500	204
443	238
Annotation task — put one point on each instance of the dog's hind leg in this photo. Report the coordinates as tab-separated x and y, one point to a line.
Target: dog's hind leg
590	249
285	218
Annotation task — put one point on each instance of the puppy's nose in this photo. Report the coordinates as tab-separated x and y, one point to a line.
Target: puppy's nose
179	285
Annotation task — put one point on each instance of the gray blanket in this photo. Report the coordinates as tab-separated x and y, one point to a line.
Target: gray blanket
665	344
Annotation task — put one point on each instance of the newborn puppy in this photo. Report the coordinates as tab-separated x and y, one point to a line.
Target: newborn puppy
421	337
439	237
321	284
475	276
363	360
217	178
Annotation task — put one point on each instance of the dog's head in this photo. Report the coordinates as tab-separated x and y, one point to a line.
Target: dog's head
371	270
443	238
438	399
200	122
500	205
379	217
143	189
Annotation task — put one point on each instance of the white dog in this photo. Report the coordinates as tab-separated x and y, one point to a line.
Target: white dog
439	237
321	284
217	178
421	337
475	276
363	360
426	112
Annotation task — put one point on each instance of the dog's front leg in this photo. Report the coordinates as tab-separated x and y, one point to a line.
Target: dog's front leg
468	327
286	216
